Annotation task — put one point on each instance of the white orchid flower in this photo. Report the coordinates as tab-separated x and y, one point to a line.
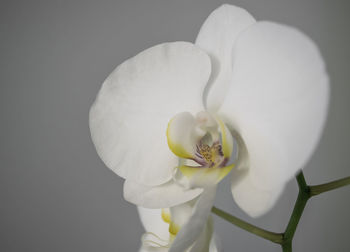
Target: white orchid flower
162	226
259	86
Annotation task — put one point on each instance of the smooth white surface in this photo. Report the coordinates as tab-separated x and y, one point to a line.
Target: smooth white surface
183	135
129	118
162	196
152	221
217	37
180	214
277	102
192	230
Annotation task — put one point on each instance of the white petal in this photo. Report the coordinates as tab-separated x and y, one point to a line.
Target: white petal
203	242
277	102
253	200
152	222
129	118
162	196
183	135
154	248
215	244
217	37
181	213
190	232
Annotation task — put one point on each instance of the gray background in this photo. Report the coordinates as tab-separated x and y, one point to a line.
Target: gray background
56	194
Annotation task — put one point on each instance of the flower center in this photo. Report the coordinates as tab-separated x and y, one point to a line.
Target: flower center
211	155
204	146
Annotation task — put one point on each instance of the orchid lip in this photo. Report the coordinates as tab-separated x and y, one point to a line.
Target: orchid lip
204	145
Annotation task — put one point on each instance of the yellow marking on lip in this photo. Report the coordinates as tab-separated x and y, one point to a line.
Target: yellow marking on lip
190	171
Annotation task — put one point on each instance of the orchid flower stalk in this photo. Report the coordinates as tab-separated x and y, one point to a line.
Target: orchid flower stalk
249	98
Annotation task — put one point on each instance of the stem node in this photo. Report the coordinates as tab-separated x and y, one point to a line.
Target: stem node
305	193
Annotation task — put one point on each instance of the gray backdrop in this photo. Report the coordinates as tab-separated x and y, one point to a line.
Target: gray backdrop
56	194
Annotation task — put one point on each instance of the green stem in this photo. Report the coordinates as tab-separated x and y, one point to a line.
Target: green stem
303	196
301	182
287	247
317	189
305	193
271	236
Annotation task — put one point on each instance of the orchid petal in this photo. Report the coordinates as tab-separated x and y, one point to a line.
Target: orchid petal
215	244
151	242
277	102
180	214
159	235
217	37
196	223
152	222
204	240
183	135
129	117
253	200
162	196
152	249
